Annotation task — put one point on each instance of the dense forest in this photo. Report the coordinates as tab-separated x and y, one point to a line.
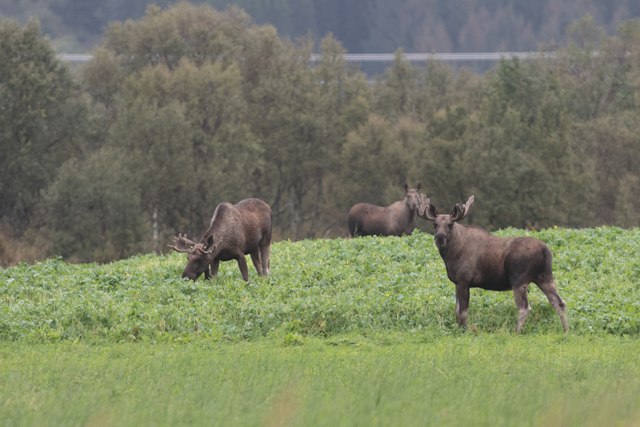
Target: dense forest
363	26
188	107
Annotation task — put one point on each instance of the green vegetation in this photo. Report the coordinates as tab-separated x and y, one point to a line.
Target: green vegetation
317	287
385	379
346	332
189	107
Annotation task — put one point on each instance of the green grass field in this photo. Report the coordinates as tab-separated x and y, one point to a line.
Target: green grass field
389	379
344	332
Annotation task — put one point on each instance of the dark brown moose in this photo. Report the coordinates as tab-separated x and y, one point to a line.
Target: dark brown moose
476	259
235	231
394	220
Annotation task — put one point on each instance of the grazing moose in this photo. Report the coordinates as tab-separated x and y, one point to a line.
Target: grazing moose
235	231
476	259
394	220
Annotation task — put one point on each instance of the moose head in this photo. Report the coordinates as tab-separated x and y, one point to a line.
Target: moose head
199	255
443	224
411	196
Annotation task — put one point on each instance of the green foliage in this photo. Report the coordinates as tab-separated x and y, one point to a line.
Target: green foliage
98	213
301	116
193	86
42	120
376	161
162	37
199	107
319	287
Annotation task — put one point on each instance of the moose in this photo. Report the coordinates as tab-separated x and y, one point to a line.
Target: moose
476	259
235	231
394	220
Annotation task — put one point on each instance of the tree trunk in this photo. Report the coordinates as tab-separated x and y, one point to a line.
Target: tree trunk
295	213
155	231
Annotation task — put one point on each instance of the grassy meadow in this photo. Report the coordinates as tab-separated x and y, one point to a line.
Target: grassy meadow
389	379
344	332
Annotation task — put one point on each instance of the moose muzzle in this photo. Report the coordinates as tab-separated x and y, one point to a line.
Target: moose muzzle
441	240
191	275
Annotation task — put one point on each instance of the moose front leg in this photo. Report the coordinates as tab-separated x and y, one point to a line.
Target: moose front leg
462	304
242	263
214	267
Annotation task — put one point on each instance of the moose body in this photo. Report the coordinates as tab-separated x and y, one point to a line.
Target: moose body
235	231
476	259
394	220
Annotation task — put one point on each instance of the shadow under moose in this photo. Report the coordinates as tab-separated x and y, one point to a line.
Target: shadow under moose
474	258
235	231
396	219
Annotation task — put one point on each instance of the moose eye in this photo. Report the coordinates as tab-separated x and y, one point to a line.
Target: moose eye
450	226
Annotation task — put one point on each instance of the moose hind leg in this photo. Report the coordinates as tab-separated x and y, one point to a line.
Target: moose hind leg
462	305
550	290
522	302
255	258
265	254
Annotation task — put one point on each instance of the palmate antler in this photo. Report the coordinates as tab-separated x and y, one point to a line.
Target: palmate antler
182	244
458	213
425	209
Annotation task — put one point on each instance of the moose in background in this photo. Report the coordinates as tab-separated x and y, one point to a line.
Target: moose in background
235	231
476	259
394	220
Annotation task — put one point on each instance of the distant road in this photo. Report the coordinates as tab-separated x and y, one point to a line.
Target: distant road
389	57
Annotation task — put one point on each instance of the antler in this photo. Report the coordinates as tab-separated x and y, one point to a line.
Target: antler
459	213
425	209
182	244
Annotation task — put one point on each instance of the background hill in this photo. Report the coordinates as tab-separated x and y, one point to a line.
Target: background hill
363	26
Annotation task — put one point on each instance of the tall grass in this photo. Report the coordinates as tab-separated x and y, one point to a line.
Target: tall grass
385	379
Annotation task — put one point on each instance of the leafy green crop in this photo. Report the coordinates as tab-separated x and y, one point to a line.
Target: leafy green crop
321	287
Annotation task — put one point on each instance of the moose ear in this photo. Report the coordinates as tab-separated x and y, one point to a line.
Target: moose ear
406	187
459	213
433	211
209	246
419	186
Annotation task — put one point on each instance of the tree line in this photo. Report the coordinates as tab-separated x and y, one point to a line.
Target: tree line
189	107
363	26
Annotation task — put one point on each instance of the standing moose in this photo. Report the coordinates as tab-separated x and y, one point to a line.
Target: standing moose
394	220
235	231
476	259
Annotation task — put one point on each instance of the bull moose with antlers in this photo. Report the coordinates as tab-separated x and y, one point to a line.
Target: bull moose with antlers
235	231
476	259
394	220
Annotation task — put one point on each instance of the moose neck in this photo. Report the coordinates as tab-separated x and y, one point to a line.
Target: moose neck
409	214
211	256
455	242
